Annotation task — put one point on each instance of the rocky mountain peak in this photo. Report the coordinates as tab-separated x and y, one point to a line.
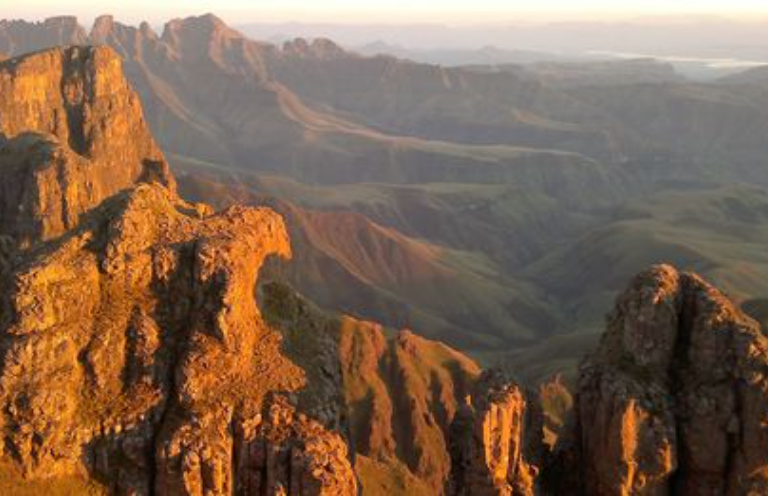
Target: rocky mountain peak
64	23
133	350
676	397
496	444
197	31
102	27
319	49
73	134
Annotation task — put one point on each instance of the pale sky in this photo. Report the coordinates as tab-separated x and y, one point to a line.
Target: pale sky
452	11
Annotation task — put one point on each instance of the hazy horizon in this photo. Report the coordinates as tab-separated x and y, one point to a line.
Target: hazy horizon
453	12
711	41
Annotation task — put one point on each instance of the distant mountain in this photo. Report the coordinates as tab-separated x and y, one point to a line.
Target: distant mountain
18	37
592	73
754	76
681	36
481	182
208	89
149	346
488	55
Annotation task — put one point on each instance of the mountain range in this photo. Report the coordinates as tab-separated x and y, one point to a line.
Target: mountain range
474	204
157	339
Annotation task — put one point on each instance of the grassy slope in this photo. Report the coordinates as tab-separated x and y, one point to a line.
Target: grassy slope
397	391
720	233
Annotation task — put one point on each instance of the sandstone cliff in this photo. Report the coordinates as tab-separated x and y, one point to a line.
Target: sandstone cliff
675	400
134	353
134	357
72	133
496	444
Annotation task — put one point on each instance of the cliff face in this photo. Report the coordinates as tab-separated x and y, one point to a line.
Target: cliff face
496	444
675	399
73	134
134	356
134	352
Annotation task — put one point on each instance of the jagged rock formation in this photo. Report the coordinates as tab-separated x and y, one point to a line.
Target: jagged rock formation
134	355
496	444
675	400
556	405
291	454
72	133
134	352
317	49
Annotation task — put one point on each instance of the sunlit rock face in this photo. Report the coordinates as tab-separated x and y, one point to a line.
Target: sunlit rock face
134	357
73	134
496	440
675	400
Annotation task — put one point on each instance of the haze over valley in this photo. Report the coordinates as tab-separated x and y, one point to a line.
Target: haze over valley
474	204
462	206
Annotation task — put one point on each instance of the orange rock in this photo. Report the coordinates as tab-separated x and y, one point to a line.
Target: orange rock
74	134
675	400
496	442
290	453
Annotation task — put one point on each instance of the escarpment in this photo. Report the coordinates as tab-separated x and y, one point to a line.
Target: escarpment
17	36
134	356
675	400
72	133
134	350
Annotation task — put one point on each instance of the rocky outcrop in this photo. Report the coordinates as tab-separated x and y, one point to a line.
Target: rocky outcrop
496	443
133	351
73	134
134	355
290	454
556	405
675	400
